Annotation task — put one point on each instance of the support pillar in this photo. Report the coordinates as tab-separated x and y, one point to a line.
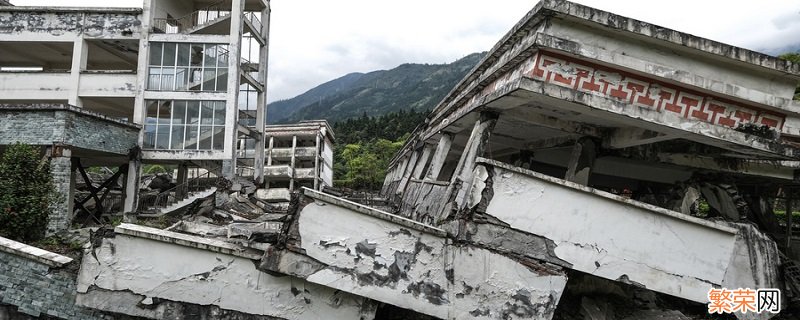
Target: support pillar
439	156
80	54
269	150
789	218
581	161
232	100
461	182
291	166
261	108
64	183
422	161
229	168
269	159
182	191
132	181
316	162
406	174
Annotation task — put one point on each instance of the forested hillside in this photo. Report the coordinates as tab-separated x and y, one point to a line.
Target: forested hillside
409	86
365	145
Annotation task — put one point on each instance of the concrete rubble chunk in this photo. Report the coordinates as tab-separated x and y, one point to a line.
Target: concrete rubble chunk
259	231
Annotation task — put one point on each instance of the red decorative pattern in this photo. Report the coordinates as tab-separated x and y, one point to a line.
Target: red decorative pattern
646	93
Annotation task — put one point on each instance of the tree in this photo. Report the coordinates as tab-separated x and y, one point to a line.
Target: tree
363	165
793	57
26	193
365	146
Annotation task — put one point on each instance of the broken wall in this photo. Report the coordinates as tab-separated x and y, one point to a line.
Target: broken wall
37	284
147	272
38	22
44	124
607	235
398	261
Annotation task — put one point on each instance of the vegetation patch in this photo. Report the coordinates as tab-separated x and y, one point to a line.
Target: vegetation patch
26	193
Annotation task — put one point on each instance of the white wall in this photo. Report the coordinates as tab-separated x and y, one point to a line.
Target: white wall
613	237
35	86
376	255
156	269
673	62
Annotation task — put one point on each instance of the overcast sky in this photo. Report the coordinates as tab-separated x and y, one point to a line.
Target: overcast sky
314	41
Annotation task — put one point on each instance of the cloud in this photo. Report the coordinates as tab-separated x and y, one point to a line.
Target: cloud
314	41
336	38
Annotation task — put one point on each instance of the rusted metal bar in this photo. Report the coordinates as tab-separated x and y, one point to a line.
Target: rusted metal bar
789	217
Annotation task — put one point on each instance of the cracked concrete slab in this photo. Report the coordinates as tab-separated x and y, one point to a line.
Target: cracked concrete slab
161	270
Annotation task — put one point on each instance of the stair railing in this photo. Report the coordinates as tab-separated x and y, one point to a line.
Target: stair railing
179	192
255	20
191	20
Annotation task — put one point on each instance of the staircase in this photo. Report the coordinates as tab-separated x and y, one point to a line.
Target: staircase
178	196
195	22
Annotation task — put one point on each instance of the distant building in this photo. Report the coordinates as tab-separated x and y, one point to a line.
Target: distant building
297	155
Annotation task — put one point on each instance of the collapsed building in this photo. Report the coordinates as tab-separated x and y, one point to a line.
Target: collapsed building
591	166
175	84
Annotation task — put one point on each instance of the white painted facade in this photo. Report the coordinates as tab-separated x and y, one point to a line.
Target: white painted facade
191	74
138	266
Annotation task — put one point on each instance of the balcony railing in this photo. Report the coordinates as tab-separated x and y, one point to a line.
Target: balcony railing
278	171
299	152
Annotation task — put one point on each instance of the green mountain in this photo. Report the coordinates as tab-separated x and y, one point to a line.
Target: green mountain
409	86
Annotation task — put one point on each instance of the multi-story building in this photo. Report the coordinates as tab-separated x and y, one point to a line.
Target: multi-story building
297	155
177	82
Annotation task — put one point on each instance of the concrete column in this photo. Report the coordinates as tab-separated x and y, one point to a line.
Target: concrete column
291	166
439	156
80	54
232	101
64	183
789	217
132	181
401	169
461	182
269	158
581	161
422	161
406	174
316	163
261	108
228	169
269	150
182	178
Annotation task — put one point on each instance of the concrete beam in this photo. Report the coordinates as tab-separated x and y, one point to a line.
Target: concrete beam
165	95
190	38
397	261
783	170
631	137
659	249
217	273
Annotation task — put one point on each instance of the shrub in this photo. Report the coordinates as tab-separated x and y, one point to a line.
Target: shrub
26	193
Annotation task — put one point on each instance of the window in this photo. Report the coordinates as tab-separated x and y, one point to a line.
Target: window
188	67
185	125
